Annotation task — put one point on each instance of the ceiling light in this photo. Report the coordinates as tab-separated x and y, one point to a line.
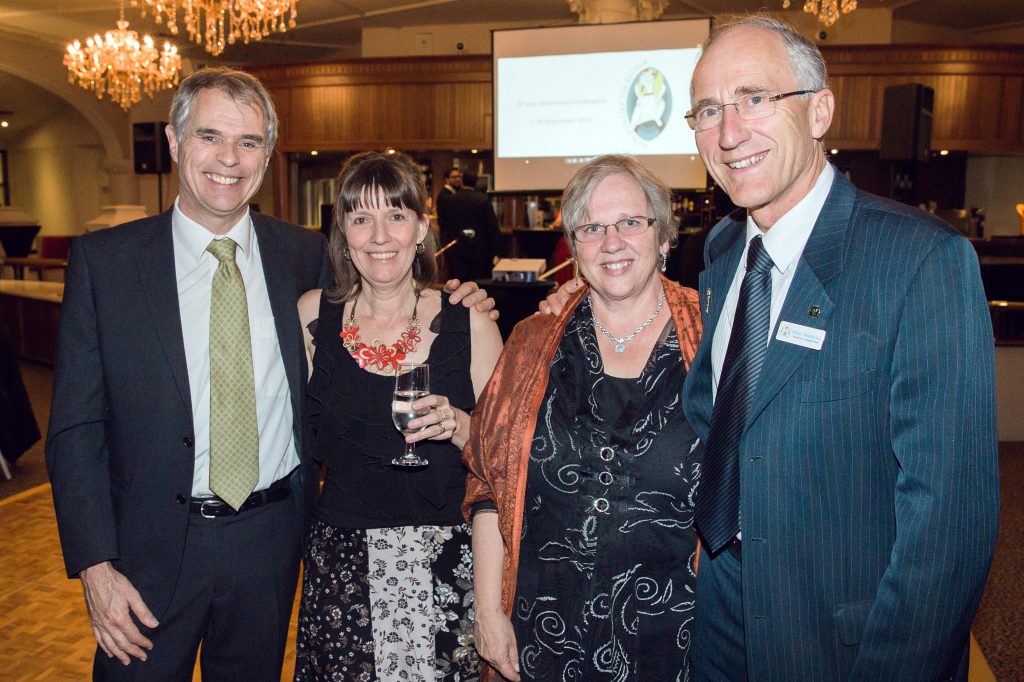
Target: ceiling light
4	124
121	66
216	23
827	11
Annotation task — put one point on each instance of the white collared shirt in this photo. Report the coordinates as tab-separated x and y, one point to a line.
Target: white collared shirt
785	243
194	267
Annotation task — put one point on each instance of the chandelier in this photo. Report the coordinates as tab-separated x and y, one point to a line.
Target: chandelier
827	11
612	11
121	66
216	23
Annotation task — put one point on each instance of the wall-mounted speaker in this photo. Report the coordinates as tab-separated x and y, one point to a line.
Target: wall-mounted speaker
907	122
152	153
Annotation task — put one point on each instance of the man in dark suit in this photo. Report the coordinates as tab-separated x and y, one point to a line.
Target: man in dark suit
844	388
469	217
452	185
173	446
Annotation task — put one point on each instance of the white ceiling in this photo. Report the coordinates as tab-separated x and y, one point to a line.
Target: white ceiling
330	29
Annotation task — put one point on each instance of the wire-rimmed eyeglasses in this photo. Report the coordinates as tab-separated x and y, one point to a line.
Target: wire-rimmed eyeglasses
750	107
627	227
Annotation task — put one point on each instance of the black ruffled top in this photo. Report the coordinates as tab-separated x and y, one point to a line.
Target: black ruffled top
348	412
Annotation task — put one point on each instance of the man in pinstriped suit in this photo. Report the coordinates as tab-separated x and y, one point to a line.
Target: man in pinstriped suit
867	460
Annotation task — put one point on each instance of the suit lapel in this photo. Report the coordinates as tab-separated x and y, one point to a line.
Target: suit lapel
724	247
155	268
820	262
283	302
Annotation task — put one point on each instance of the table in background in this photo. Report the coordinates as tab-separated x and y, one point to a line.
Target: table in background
19	265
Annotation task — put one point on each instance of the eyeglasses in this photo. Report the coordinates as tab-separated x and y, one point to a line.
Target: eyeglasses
748	108
627	227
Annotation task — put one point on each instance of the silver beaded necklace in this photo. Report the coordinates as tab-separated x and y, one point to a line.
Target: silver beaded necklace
621	341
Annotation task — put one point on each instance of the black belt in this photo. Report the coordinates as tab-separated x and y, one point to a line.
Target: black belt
735	548
214	507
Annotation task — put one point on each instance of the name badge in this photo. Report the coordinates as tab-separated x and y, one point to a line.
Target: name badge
808	337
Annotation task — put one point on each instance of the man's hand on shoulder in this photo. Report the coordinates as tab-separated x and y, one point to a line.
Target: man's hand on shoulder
111	600
471	296
556	300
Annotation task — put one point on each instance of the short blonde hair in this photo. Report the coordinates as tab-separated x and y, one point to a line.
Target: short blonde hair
577	194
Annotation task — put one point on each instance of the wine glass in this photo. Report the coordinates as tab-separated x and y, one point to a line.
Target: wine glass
412	382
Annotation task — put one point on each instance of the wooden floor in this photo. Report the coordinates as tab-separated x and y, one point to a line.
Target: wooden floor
44	631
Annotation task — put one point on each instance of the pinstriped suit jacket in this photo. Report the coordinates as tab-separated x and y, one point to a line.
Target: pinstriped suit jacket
869	479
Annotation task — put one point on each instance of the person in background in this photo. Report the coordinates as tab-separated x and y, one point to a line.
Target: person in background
582	463
386	591
452	185
173	448
469	217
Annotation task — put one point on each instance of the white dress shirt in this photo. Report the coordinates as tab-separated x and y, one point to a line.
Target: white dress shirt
194	267
785	242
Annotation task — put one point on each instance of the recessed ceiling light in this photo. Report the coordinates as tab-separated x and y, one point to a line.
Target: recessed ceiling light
314	153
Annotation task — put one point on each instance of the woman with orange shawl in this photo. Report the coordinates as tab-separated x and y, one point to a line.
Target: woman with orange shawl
582	464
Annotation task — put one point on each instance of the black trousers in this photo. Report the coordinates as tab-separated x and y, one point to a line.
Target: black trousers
234	597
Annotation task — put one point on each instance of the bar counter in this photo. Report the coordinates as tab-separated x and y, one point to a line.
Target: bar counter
31	312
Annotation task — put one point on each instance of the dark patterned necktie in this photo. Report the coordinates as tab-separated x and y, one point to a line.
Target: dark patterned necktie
234	432
718	497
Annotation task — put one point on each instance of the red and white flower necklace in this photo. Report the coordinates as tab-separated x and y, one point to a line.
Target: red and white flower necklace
384	358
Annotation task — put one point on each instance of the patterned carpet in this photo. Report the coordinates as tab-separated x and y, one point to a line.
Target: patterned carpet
998	627
999	624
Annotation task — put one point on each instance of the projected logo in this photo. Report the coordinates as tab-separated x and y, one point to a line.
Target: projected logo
648	103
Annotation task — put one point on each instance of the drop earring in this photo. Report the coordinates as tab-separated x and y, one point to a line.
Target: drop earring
664	262
420	248
347	254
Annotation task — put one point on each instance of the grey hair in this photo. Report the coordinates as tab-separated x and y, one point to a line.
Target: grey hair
240	86
577	195
804	56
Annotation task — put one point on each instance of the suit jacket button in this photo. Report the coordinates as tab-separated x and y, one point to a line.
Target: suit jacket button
188	441
180	499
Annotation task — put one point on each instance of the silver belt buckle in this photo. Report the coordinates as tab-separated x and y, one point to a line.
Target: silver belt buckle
202	508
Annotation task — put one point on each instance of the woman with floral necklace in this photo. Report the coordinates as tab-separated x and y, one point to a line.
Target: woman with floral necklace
387	586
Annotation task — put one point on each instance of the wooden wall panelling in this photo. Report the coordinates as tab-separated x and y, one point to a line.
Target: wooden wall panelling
414	104
978	97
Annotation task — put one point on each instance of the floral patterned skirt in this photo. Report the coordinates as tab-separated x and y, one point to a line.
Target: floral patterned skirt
387	604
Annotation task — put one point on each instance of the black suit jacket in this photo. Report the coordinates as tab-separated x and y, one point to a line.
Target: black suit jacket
120	442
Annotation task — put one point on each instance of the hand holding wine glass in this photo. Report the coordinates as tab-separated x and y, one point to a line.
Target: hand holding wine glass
412	382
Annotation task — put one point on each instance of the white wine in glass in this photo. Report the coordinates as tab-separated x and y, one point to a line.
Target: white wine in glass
412	382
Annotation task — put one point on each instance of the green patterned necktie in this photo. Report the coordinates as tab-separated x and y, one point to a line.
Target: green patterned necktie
234	434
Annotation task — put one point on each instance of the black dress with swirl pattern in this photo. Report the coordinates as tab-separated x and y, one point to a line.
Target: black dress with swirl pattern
605	584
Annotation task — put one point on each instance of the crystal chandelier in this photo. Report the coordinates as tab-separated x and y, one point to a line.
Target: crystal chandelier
216	23
121	66
827	11
611	11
